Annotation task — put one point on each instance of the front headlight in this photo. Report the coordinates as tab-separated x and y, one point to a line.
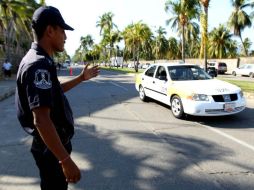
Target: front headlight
200	97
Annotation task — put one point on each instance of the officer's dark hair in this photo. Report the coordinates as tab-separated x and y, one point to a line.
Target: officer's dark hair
39	31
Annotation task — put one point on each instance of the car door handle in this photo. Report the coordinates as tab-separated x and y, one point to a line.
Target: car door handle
153	82
142	78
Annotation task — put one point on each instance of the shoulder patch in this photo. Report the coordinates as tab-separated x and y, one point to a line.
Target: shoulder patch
42	79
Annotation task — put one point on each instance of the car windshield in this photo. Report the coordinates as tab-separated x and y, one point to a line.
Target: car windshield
187	72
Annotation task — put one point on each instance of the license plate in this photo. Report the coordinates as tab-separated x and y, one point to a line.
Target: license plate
229	107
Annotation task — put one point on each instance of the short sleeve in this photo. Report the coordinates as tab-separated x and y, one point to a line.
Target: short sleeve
38	85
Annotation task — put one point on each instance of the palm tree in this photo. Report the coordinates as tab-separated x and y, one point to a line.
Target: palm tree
183	12
194	47
174	49
95	52
191	37
232	49
105	22
61	57
204	25
239	19
160	47
110	38
135	37
15	18
86	43
220	42
246	46
109	35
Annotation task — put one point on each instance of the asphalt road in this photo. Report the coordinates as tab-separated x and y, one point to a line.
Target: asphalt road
123	143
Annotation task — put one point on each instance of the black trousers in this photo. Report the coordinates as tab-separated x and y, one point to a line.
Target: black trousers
51	173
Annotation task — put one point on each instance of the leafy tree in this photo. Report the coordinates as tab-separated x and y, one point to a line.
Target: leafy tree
15	19
246	46
183	12
232	49
174	49
61	57
239	19
220	42
86	43
160	46
136	37
105	22
109	35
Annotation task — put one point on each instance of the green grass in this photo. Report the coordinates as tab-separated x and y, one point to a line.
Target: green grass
246	86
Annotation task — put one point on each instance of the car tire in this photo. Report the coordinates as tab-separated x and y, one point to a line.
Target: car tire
251	75
177	107
234	73
142	94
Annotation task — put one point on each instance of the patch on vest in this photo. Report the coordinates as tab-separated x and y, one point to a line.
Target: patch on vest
42	79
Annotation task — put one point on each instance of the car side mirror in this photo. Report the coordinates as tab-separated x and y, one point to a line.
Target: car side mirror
163	78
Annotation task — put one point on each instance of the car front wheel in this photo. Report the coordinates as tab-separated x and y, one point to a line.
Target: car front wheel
177	107
234	73
142	94
251	75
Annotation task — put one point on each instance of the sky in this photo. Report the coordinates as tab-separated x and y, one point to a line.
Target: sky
82	15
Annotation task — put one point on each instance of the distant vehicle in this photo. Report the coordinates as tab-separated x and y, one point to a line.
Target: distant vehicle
220	67
131	65
188	89
145	66
245	70
212	71
116	61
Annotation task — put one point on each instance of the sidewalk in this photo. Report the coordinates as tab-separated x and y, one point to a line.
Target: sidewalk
7	87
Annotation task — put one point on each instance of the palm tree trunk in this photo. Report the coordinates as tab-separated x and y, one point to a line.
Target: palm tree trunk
183	43
205	36
245	51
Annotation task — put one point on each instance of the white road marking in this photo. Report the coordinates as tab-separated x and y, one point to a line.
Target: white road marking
119	86
230	137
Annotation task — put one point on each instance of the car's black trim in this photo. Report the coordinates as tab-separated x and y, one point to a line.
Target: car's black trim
155	91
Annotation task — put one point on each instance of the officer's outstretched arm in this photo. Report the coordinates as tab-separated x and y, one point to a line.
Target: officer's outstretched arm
86	74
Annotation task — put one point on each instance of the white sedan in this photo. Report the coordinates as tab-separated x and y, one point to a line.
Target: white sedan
188	89
247	70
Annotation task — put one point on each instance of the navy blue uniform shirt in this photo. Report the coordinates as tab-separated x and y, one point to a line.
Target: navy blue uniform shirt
38	85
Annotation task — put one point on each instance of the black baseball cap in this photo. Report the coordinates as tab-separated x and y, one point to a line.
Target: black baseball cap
48	15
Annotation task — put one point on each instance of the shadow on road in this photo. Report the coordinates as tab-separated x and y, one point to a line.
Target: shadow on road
112	165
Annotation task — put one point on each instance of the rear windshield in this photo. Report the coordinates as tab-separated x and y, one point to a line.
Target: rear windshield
223	64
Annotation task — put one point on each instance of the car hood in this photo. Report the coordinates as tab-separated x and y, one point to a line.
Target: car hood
208	87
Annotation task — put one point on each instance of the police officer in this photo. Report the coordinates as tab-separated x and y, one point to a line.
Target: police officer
42	107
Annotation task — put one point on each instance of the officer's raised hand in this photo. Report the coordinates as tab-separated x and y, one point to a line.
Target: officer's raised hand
88	73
